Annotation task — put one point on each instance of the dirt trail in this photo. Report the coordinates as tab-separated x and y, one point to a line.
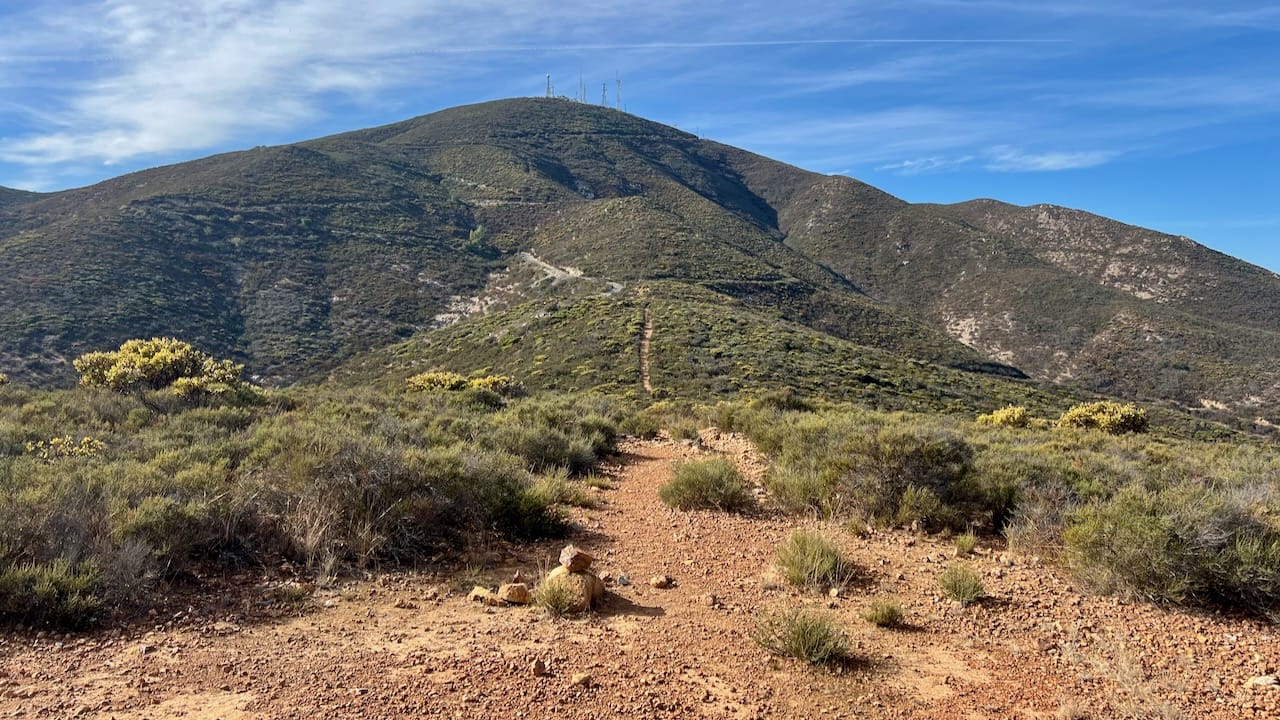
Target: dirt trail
408	646
645	341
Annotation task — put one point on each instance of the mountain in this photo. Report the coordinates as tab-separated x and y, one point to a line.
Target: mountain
300	258
9	196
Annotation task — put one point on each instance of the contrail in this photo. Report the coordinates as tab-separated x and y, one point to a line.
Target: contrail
700	45
742	43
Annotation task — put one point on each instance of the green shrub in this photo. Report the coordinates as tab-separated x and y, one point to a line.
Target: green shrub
921	506
802	634
901	475
785	399
796	485
884	613
889	473
436	380
712	484
555	488
1013	416
965	543
1106	415
4	379
172	529
1037	526
807	559
1182	544
683	430
962	584
641	425
55	594
474	398
541	448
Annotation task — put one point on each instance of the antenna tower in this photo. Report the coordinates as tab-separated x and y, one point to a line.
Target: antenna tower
617	96
604	94
549	88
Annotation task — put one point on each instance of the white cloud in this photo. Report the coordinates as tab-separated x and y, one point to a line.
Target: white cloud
921	166
1009	159
180	76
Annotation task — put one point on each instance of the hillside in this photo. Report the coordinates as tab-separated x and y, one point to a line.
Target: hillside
296	259
9	196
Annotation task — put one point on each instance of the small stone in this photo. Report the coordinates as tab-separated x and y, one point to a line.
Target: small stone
661	582
516	593
145	649
481	595
1263	681
538	668
833	592
574	559
582	680
710	600
623	580
403	604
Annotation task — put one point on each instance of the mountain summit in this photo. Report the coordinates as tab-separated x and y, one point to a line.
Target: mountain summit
297	258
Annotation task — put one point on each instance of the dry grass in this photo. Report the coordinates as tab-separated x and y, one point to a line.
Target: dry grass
803	634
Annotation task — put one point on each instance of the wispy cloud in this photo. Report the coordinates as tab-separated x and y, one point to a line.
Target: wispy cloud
167	76
920	166
1196	15
1010	159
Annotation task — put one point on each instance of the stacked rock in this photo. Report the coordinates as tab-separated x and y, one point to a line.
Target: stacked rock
574	569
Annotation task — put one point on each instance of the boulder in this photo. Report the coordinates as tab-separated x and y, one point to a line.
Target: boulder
589	588
574	559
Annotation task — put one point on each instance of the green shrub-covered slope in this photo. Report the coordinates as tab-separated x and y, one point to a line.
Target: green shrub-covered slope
702	345
294	259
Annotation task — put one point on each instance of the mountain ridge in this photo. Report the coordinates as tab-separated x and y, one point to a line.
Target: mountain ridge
296	258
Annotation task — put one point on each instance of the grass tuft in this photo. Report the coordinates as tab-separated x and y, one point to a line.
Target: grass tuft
884	613
807	559
558	596
802	634
962	584
712	484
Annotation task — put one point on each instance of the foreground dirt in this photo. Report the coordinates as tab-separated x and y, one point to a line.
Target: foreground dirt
411	645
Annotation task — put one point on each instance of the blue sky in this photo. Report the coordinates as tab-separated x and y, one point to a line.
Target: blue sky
1163	114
